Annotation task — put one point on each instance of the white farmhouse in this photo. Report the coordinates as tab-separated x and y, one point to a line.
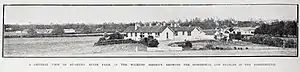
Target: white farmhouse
44	31
158	32
69	31
187	33
163	32
245	31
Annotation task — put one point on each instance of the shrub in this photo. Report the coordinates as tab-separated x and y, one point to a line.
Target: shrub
144	41
188	44
153	43
58	31
31	31
209	46
268	40
277	42
291	44
116	35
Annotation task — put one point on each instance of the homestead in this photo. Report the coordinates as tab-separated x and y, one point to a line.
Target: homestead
25	31
43	31
187	33
158	32
69	31
163	32
245	30
229	32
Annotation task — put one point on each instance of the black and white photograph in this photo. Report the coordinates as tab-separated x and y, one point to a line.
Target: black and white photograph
150	30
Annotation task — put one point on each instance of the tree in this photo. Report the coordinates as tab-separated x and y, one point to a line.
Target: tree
84	28
58	30
152	42
188	44
278	28
31	31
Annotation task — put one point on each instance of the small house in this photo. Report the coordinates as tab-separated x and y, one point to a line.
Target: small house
245	30
69	31
44	31
187	33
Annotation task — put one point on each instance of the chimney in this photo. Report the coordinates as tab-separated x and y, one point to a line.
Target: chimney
172	25
177	24
136	26
150	24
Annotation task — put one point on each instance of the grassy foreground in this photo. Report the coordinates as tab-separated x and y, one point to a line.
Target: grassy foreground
83	46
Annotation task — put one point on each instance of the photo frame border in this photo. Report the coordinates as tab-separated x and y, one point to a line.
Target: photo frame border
3	14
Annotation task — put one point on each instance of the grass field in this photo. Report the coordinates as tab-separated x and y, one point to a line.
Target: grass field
61	46
83	46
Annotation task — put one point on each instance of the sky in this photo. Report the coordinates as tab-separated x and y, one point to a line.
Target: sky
100	14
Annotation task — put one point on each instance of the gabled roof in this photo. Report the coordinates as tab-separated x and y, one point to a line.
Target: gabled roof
146	29
184	28
209	31
245	28
43	30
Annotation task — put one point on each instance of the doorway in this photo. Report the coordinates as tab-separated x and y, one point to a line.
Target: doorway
167	35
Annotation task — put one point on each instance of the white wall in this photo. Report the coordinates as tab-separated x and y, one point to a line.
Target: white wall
195	34
129	36
163	34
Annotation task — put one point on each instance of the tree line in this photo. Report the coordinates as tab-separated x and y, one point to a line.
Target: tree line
279	28
208	23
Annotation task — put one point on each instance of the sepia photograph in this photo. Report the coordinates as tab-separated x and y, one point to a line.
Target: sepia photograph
150	30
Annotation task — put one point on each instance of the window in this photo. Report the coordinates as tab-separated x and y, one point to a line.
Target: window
176	33
157	34
142	36
189	33
135	34
182	32
149	34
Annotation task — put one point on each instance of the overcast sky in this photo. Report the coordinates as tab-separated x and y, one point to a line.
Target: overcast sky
100	14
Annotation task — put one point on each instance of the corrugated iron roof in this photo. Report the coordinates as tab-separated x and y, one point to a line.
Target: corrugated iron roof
145	29
184	28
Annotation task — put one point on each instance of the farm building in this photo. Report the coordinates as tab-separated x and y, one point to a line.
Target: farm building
245	30
158	32
69	31
44	31
187	33
163	32
25	31
8	29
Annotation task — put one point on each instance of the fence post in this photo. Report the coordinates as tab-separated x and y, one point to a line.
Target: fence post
136	49
283	44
